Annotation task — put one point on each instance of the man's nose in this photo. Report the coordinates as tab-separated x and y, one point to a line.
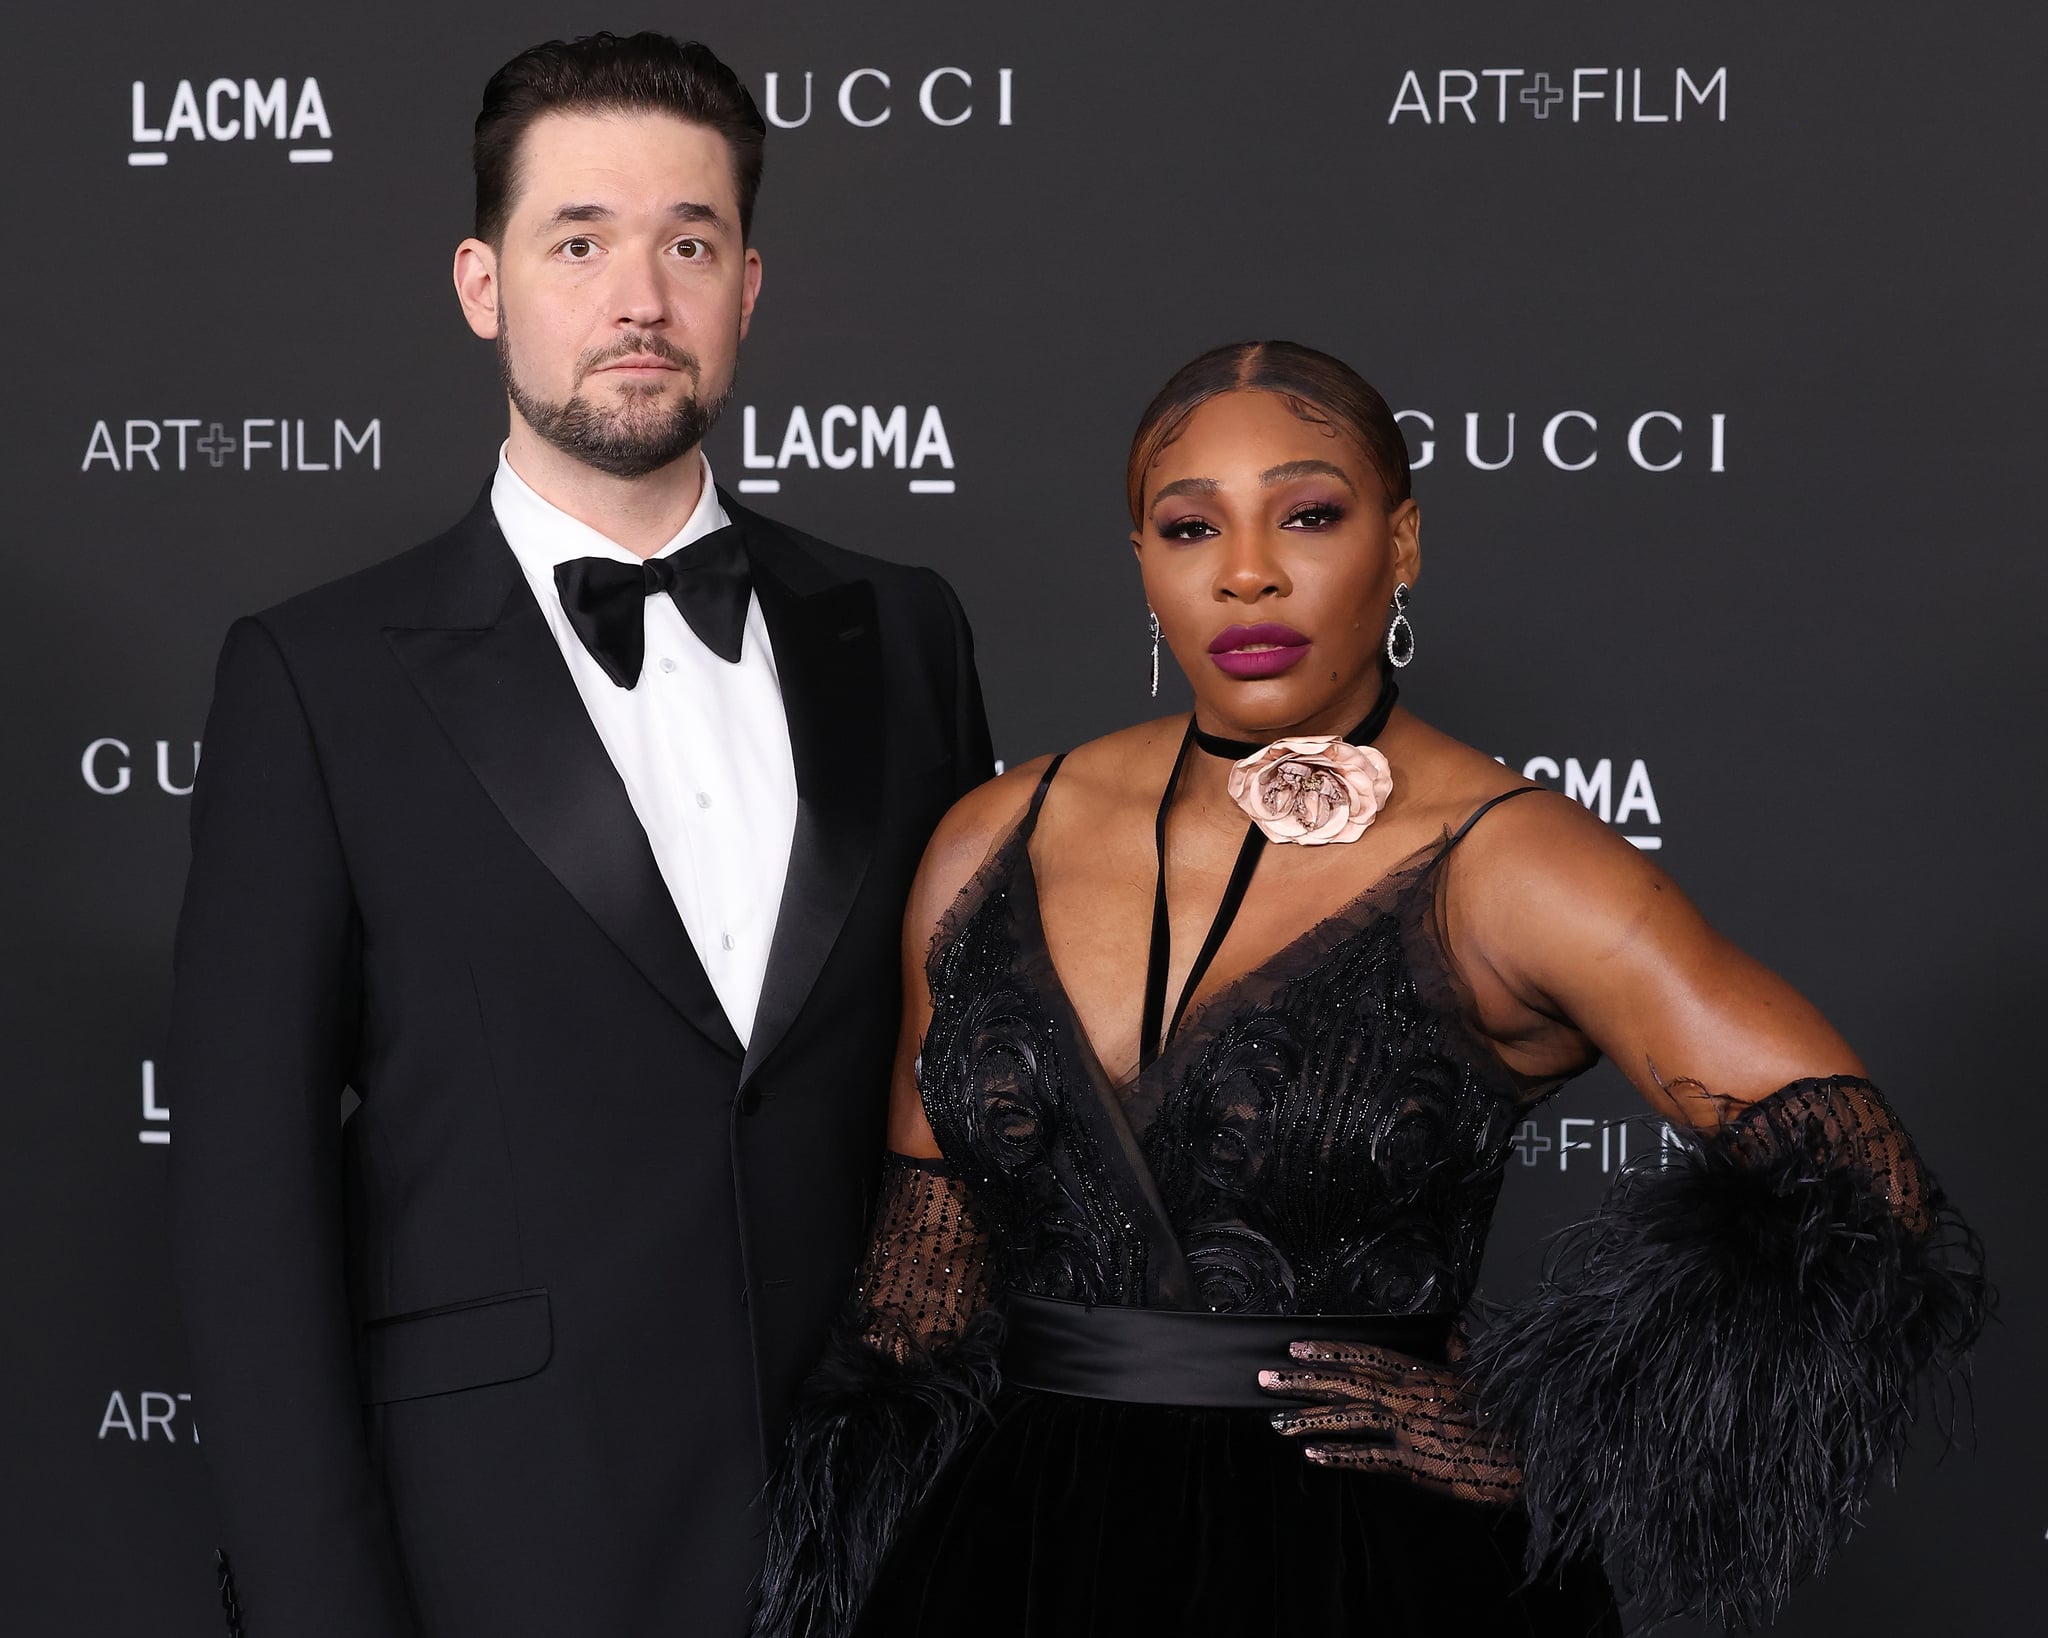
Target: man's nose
639	297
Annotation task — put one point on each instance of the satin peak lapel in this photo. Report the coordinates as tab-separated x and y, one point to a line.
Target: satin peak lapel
497	685
829	659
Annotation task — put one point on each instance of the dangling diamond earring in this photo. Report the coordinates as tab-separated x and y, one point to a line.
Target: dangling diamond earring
1155	651
1400	634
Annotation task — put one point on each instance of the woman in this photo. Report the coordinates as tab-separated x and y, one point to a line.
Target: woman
1159	1328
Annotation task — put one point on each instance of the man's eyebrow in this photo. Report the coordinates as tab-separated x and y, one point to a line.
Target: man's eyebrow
683	210
689	210
1186	486
578	213
1288	470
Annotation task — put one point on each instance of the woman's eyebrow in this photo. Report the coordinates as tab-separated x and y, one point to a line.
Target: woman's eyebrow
1187	486
1287	470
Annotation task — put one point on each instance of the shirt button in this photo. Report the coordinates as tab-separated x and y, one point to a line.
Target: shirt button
667	664
727	941
703	799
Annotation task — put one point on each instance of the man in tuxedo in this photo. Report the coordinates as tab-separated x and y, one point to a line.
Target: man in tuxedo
575	843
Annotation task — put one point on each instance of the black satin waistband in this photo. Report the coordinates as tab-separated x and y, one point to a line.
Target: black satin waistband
1163	1356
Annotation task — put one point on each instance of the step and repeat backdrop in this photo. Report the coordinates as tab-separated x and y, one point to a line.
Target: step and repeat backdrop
1713	329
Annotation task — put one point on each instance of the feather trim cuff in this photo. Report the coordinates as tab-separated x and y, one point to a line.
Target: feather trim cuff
1720	1363
871	1434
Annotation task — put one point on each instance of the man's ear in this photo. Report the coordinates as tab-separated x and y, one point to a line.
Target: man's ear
476	286
750	289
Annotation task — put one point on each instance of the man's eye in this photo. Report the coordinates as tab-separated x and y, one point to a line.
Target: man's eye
579	250
692	250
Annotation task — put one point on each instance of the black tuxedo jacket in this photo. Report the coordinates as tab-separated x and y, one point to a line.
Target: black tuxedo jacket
509	1350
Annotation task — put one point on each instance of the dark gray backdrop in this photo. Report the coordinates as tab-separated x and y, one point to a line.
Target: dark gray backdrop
1820	644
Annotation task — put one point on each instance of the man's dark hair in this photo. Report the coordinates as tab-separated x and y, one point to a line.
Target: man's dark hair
609	73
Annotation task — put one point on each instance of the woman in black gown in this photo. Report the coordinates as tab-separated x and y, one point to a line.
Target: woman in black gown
1216	1032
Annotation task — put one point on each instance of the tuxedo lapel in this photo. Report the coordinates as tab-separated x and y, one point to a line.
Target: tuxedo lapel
488	668
828	659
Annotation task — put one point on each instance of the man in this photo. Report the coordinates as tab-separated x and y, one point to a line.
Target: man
574	842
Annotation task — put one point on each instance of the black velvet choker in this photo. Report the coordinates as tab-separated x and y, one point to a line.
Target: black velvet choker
1236	750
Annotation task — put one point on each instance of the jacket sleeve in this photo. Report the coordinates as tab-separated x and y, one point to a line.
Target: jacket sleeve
974	756
907	1373
262	1030
1720	1364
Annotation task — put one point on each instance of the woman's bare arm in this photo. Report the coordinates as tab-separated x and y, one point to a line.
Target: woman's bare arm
1564	929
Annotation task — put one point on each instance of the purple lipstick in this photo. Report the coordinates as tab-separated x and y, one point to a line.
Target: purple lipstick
1263	650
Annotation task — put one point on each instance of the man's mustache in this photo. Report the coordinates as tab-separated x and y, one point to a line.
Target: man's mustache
644	345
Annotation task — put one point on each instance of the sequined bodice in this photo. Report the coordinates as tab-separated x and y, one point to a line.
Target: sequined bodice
1324	1135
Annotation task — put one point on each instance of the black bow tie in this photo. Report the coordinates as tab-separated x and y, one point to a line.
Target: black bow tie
606	600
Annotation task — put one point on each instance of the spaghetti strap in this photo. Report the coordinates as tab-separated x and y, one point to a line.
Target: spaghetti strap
1029	823
1483	810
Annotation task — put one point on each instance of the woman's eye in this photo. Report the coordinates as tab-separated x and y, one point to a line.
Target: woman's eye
1314	517
1187	529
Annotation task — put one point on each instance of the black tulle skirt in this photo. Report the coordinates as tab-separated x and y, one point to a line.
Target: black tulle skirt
1086	1518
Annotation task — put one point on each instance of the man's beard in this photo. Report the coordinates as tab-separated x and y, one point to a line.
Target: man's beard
639	434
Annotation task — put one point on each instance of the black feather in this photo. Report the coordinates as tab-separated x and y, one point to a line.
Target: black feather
1719	1365
870	1435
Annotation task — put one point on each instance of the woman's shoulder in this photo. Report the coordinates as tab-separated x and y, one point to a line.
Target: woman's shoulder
995	805
1099	768
965	840
977	824
1092	777
1130	765
1542	859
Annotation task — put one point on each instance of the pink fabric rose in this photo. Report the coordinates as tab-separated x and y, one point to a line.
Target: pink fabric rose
1312	790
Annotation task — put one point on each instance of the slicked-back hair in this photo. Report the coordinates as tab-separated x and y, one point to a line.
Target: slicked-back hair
1314	386
610	73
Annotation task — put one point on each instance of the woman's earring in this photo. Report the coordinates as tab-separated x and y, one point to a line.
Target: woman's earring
1400	634
1155	651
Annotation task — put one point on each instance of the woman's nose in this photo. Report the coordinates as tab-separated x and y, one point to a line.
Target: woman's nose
1250	570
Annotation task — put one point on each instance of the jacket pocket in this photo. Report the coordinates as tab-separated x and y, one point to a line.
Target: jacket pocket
462	1345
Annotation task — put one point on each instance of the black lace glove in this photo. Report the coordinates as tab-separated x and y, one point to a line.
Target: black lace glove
906	1375
1376	1410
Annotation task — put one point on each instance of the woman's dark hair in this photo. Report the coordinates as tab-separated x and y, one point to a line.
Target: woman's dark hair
1314	385
608	73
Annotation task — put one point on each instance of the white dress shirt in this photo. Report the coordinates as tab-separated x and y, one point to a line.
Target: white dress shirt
702	745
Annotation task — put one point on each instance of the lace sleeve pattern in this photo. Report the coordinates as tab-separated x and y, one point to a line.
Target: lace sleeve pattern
926	1275
1719	1365
906	1374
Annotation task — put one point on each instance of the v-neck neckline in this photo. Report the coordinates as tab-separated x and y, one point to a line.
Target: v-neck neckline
1201	1007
